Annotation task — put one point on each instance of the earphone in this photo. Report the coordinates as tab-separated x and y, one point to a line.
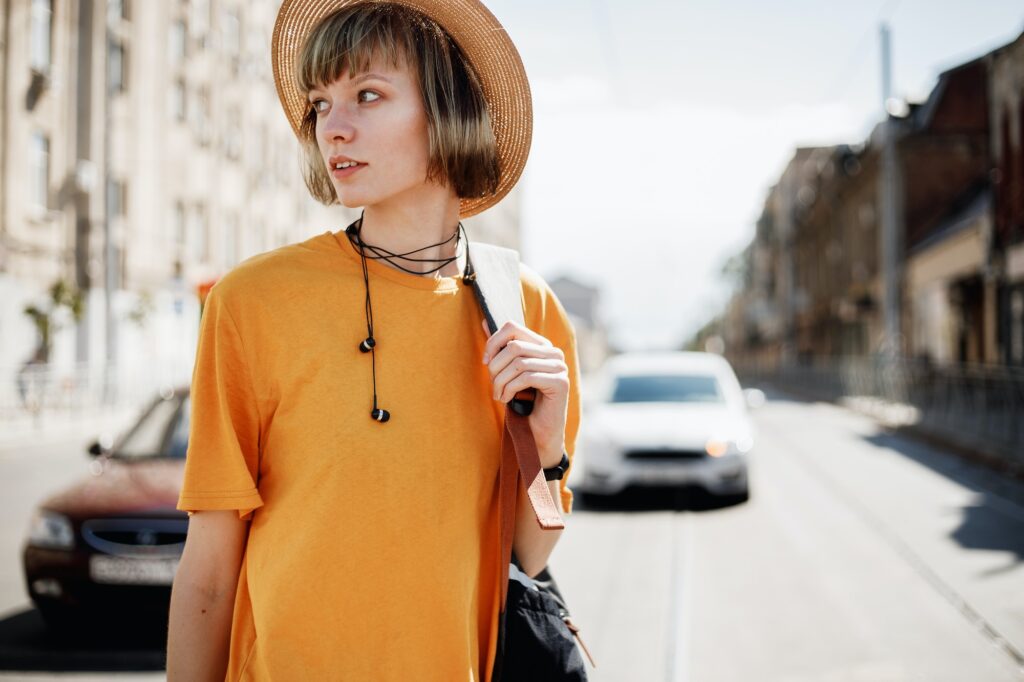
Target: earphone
369	344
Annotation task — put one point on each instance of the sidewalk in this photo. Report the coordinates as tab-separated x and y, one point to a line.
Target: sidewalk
904	420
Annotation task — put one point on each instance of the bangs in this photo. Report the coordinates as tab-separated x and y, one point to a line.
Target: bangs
463	151
350	41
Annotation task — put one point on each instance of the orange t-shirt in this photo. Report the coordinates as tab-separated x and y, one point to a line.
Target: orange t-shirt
373	550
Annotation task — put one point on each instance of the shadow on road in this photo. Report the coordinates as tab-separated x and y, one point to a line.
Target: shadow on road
26	645
983	523
686	498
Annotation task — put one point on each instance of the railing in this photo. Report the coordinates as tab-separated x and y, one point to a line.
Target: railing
977	405
49	393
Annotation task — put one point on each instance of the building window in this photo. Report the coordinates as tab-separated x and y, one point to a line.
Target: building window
202	116
232	31
117	67
230	257
117	11
39	35
116	198
176	42
199	19
199	234
178	235
39	169
233	134
178	101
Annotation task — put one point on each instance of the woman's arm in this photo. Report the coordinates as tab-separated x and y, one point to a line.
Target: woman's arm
519	358
203	596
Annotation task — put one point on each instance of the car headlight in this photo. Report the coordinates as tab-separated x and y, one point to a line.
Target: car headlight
51	530
719	447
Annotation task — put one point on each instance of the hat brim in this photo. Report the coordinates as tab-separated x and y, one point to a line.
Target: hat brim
478	34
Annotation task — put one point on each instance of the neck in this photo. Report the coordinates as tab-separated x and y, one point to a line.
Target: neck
407	227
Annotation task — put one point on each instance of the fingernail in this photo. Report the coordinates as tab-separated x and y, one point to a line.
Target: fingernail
486	358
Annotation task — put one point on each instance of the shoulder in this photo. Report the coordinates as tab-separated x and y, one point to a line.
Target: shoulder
257	278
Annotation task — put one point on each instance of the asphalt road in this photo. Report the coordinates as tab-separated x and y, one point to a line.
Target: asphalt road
860	557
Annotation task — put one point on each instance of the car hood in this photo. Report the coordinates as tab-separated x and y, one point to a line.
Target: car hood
682	425
122	488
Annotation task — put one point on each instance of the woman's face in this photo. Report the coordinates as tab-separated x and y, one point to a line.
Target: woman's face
376	119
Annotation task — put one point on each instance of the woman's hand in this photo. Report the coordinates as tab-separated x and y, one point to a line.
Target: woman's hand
519	358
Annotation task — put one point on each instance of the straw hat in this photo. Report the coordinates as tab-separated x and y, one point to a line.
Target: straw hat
482	39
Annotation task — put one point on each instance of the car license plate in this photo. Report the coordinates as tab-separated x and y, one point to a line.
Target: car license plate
132	571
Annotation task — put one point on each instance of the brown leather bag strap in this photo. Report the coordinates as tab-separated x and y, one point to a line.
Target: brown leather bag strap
519	458
495	279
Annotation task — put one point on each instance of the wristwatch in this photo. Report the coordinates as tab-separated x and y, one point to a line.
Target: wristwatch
556	472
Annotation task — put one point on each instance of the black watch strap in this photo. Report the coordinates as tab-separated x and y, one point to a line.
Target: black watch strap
556	472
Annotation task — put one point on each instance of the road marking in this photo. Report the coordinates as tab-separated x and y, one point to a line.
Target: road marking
681	603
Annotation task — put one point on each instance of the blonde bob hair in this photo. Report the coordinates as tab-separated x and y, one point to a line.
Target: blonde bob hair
462	148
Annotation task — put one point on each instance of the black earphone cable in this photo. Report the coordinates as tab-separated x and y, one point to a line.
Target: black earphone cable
369	344
355	236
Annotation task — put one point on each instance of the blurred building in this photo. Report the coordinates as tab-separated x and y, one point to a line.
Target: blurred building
1006	112
814	273
763	317
143	152
583	302
949	290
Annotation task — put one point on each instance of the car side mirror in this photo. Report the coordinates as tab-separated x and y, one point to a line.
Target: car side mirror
754	397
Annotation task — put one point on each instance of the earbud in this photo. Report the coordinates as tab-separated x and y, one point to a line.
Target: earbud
367	344
380	415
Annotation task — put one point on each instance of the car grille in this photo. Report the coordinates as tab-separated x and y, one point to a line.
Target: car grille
665	455
136	537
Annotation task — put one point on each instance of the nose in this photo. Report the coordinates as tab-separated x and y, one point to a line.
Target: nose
337	125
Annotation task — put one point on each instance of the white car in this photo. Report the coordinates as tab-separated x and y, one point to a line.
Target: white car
666	419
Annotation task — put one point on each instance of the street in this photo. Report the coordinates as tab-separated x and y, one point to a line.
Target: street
860	557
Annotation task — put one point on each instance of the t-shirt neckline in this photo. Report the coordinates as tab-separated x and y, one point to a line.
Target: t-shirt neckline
377	269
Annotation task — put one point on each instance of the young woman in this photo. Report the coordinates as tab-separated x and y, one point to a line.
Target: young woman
347	402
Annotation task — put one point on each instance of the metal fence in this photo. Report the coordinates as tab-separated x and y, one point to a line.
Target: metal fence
47	393
980	406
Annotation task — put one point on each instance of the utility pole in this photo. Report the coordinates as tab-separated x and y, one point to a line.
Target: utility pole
111	263
85	178
890	195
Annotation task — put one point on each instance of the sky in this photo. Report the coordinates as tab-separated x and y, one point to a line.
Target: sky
660	126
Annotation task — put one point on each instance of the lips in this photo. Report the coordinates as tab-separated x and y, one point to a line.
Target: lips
345	172
340	158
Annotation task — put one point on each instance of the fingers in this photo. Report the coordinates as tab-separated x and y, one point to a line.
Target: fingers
506	333
505	380
547	383
518	358
517	348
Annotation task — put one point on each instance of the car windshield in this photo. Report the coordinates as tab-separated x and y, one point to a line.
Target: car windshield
178	443
147	438
667	388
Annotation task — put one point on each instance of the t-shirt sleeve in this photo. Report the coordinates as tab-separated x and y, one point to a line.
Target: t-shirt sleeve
222	459
547	317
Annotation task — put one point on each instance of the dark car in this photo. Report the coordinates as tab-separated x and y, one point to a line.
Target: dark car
106	548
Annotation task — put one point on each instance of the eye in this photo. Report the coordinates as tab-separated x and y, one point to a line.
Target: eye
315	104
376	95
